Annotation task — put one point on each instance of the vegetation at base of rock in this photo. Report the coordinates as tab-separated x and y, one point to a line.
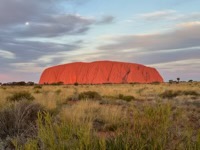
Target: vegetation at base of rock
76	83
19	96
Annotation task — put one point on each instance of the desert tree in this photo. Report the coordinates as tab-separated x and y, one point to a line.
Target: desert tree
178	79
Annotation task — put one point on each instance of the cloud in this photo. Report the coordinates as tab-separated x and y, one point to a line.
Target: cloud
68	56
180	65
31	50
181	37
19	11
170	15
157	15
26	67
45	19
7	54
189	24
106	20
56	25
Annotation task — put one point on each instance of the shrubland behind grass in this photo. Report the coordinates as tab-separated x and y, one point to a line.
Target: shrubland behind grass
131	116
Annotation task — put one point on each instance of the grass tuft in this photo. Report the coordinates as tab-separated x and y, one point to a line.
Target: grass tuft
19	96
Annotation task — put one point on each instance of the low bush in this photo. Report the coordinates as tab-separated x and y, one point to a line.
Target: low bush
37	87
37	91
23	95
76	83
194	93
57	83
74	97
127	98
155	83
58	91
90	95
19	120
172	94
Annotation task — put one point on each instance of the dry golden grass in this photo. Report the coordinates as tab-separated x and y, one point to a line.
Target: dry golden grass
110	123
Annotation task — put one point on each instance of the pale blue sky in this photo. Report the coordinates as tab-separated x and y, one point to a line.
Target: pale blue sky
38	34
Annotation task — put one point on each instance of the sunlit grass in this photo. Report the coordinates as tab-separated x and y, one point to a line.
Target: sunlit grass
147	121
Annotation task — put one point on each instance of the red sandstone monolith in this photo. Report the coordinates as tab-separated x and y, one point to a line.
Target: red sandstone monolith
100	72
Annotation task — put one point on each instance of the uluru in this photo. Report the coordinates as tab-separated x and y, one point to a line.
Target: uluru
100	72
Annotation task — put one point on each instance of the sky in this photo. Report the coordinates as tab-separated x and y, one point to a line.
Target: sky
36	34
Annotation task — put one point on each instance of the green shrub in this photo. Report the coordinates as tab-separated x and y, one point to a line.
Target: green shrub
74	97
155	83
194	93
58	91
172	94
19	120
61	136
37	87
24	95
90	95
37	91
134	83
127	98
57	83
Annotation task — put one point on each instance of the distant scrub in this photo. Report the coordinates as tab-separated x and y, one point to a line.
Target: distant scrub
76	84
37	91
155	83
57	83
127	98
134	83
19	96
172	94
90	95
119	97
37	87
58	91
21	83
194	93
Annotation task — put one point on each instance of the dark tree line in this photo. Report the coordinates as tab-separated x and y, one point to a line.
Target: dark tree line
20	83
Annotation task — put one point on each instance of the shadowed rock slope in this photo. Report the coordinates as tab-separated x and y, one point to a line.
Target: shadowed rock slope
100	72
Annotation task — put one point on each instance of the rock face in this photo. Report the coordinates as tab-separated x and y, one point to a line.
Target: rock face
100	72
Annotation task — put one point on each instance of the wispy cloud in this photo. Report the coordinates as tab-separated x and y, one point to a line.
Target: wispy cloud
181	37
59	25
106	19
7	54
27	67
169	15
158	15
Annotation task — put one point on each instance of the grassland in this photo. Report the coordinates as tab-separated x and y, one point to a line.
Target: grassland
108	117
